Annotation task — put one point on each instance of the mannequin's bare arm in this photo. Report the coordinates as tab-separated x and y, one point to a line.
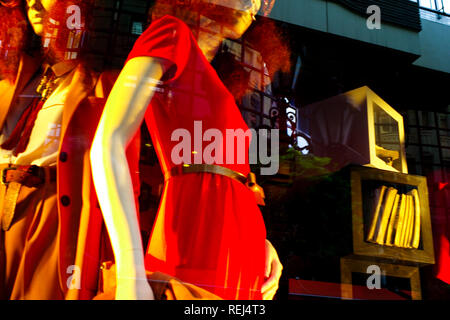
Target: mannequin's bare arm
122	117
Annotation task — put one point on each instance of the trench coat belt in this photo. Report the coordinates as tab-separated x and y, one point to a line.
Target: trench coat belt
13	178
249	181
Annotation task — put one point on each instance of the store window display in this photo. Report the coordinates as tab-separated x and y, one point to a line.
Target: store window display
209	230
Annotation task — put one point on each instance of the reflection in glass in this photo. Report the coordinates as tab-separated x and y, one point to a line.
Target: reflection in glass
412	135
430	155
387	138
445	138
252	58
429	137
411	118
234	48
413	153
446	155
414	168
426	119
444	121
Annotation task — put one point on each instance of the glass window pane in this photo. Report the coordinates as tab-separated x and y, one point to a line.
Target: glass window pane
105	3
267	85
429	137
445	138
426	119
137	27
255	81
446	155
414	168
234	48
102	20
125	23
444	121
411	118
430	155
252	58
427	4
412	135
413	154
137	6
268	104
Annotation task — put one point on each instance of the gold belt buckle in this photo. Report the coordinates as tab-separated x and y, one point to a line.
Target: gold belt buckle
257	190
3	174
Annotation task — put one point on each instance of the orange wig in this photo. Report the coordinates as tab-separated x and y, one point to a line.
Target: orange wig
13	37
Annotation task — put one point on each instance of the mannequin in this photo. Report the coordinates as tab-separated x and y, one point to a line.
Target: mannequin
141	83
51	226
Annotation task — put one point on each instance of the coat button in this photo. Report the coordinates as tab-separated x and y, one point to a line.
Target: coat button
65	201
63	156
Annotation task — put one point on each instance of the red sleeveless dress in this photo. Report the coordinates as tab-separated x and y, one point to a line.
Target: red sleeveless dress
209	230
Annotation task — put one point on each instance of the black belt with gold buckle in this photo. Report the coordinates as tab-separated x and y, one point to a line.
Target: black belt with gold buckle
249	181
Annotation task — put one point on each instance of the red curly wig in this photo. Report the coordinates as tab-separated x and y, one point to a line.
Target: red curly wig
13	37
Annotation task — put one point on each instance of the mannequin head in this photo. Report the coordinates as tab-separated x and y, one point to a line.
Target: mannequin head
232	19
14	30
61	24
37	12
233	16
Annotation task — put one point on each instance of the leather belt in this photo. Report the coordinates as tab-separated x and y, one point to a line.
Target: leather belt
29	176
14	177
249	181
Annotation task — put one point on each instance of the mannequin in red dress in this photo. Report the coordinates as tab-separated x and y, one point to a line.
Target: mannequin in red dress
209	230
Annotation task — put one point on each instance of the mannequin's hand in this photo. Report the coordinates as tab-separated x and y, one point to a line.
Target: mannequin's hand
132	289
272	272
